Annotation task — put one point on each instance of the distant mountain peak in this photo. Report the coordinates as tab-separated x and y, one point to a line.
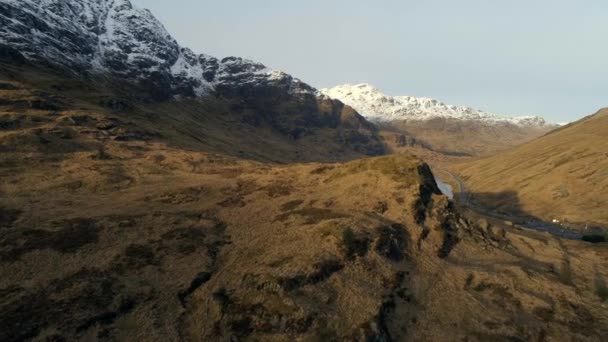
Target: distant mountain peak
376	106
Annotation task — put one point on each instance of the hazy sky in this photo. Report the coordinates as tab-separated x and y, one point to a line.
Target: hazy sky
546	57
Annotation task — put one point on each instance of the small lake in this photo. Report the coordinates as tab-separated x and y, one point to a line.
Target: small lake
445	188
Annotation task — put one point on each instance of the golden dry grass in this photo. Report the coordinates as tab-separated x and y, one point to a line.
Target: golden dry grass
162	236
561	175
469	138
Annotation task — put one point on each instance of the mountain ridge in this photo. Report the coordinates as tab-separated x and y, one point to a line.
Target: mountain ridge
112	42
376	106
116	37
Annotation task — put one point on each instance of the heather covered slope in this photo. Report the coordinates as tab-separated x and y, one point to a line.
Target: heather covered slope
39	104
117	223
469	137
167	244
561	175
166	196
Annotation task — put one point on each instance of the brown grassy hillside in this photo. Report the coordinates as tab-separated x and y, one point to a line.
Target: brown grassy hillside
122	220
468	138
562	175
400	143
297	129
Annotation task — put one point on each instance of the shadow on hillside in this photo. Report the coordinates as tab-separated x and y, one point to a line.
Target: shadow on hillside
267	123
285	130
507	206
504	202
504	205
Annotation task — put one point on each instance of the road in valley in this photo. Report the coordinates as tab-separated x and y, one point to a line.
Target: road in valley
520	221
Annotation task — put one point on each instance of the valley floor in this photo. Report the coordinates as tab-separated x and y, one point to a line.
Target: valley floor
521	220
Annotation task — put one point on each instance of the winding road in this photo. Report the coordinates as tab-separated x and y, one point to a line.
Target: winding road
520	221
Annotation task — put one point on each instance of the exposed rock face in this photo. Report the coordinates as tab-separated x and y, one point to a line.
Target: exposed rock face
115	37
104	35
403	140
8	54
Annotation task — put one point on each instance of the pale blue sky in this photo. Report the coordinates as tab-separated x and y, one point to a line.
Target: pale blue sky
546	57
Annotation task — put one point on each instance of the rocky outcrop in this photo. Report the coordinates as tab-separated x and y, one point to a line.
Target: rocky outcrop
405	140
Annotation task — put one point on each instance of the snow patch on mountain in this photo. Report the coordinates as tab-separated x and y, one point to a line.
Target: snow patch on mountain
376	106
115	37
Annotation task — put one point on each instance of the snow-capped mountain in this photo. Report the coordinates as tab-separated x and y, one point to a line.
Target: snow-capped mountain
113	42
376	106
113	36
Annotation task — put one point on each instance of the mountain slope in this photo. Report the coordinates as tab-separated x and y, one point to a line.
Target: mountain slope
467	138
135	210
145	221
448	129
561	175
37	104
114	37
118	47
376	106
112	228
